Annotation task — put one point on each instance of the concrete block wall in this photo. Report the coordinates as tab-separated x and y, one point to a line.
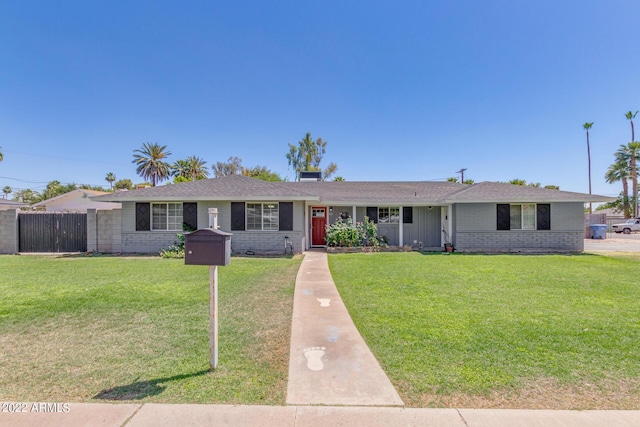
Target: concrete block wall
104	230
148	241
265	242
9	231
109	231
520	241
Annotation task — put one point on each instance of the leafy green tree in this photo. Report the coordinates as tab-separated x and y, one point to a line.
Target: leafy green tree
6	190
307	156
123	184
453	179
1	155
27	196
110	178
262	173
469	181
552	187
233	166
151	164
55	188
518	181
339	179
179	178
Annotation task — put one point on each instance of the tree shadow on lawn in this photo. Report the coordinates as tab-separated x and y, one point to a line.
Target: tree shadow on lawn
141	389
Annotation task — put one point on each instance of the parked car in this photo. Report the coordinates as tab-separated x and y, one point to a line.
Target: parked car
627	227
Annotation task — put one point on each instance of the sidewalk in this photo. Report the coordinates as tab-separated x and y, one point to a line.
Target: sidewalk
160	415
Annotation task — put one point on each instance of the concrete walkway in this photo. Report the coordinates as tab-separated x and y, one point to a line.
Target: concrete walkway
160	415
330	364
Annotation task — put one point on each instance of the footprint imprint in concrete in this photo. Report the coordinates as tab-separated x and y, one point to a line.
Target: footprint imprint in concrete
324	302
314	358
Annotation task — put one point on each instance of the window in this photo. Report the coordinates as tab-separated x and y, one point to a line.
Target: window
262	216
166	216
525	216
388	215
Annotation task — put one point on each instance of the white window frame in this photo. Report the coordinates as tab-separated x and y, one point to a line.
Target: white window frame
269	216
172	217
391	219
528	216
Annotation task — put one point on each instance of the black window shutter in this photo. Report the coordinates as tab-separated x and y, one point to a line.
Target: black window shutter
285	216
407	214
143	216
372	213
544	216
190	215
237	215
504	217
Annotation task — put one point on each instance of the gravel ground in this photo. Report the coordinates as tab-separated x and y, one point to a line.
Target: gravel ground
614	243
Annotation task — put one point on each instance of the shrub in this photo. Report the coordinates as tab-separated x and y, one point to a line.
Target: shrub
347	234
177	249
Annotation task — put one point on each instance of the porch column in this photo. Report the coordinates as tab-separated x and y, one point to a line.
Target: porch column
307	242
400	228
353	208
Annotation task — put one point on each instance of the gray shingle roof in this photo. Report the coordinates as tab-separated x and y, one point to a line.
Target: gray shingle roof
242	188
385	192
234	187
502	192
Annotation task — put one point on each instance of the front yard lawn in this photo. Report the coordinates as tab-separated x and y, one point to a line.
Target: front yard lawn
108	328
549	331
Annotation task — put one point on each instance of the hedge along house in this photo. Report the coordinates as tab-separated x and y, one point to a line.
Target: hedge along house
265	216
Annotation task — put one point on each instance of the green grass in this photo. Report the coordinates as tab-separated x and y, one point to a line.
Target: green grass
500	331
109	328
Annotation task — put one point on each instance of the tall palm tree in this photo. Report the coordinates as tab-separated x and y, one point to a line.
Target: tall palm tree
634	175
586	127
619	171
150	162
631	154
630	116
110	178
7	190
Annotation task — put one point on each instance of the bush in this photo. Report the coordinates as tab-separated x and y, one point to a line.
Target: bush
345	234
177	249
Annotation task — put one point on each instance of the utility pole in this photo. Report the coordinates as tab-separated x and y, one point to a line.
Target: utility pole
461	172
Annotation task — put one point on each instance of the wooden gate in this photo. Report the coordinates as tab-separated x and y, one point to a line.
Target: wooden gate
52	232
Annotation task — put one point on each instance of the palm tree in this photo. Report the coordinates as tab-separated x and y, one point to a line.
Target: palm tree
6	190
197	168
619	171
634	175
631	154
630	116
110	178
151	165
586	127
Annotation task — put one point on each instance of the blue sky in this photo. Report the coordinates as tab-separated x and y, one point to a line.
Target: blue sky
411	90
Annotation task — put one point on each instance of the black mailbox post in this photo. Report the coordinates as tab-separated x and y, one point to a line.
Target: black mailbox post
207	247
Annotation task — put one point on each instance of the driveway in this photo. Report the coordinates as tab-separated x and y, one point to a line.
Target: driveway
614	243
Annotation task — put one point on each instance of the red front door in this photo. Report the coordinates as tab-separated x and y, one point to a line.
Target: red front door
318	223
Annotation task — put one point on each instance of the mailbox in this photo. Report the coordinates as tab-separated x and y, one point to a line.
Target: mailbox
207	247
